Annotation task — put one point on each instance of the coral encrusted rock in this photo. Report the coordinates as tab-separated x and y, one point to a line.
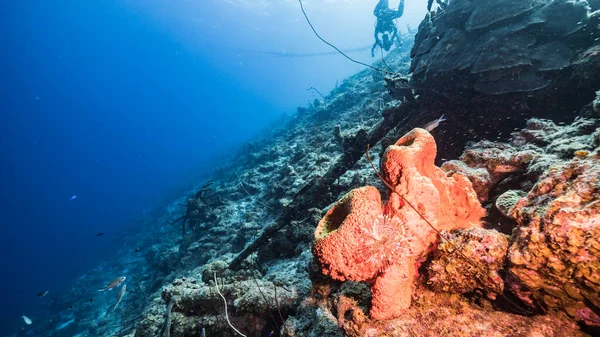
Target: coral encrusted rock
554	261
359	239
477	266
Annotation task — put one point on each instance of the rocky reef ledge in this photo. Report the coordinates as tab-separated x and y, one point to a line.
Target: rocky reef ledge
528	268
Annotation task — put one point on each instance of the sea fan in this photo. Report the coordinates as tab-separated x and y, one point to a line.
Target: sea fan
384	242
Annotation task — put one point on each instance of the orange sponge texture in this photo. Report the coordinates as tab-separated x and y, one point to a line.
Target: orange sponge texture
360	239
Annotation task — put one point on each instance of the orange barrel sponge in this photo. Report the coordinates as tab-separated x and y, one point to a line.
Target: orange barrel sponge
360	239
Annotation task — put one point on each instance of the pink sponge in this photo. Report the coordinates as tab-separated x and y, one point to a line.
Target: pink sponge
360	239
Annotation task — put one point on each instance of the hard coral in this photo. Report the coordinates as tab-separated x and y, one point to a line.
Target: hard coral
450	272
360	239
434	314
555	258
487	163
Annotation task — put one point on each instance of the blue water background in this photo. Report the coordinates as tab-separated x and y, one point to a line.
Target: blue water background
120	102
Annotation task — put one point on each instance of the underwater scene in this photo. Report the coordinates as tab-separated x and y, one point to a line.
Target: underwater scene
300	168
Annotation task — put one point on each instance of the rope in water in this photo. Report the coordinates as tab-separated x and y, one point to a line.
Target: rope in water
334	47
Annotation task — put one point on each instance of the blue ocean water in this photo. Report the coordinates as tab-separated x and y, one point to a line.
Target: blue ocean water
119	102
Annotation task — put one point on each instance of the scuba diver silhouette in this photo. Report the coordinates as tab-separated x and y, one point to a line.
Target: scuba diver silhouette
385	25
442	3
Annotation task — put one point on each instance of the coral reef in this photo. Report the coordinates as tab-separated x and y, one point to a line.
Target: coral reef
253	304
531	151
488	163
435	314
545	184
555	257
280	289
549	194
250	188
451	273
199	208
360	240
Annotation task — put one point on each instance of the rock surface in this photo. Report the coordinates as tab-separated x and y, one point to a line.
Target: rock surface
435	315
498	47
467	260
489	66
554	260
550	192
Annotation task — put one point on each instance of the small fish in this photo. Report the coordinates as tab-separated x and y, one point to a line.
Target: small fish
113	284
100	234
26	319
42	293
73	197
91	299
120	296
137	250
434	124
